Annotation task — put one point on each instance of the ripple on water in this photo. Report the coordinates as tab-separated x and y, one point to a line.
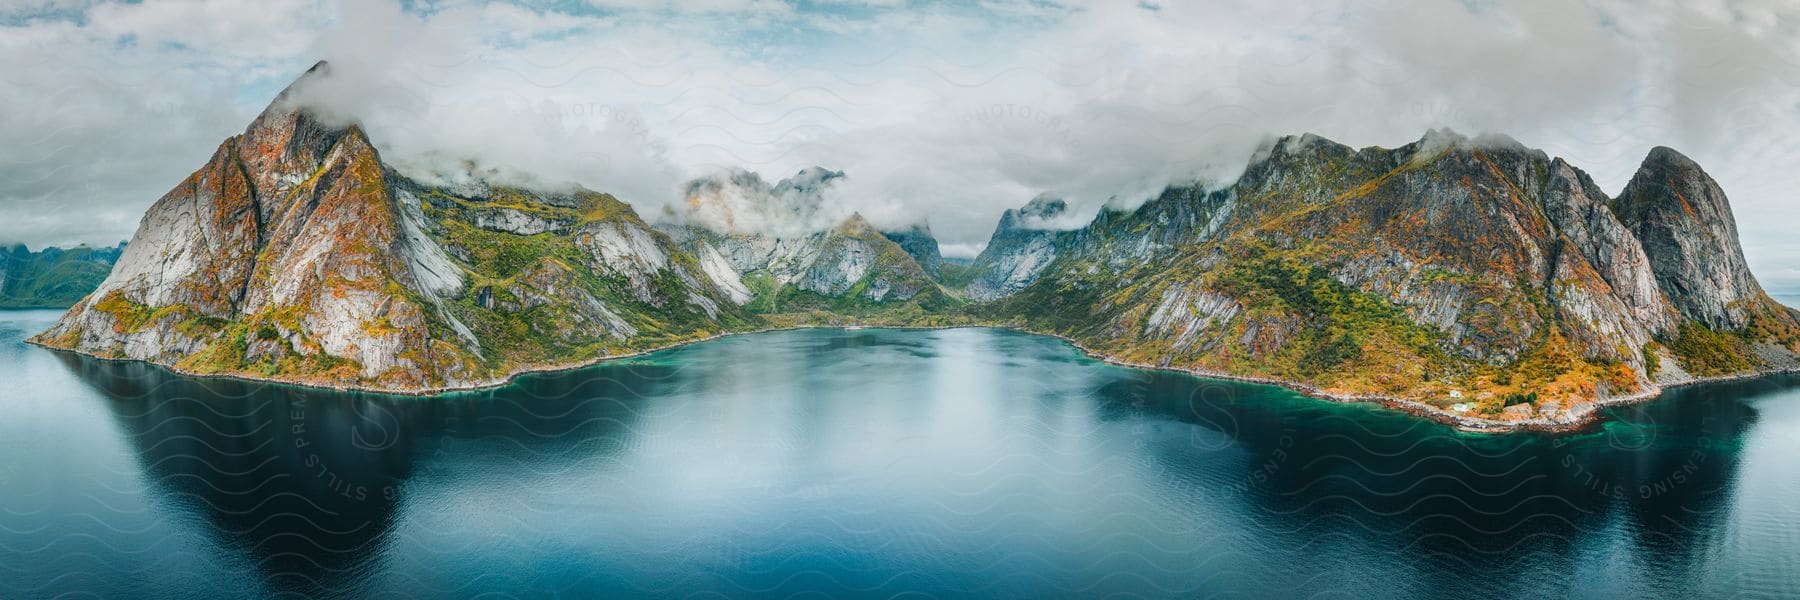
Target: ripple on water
869	462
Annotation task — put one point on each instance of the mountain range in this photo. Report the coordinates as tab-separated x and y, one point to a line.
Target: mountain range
1472	280
52	277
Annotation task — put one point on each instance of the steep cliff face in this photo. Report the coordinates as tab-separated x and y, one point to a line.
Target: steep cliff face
306	277
1474	266
849	267
1023	244
1690	236
296	254
1472	275
767	244
919	243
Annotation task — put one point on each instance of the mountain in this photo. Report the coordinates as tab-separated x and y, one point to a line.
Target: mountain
1021	247
1472	280
1687	229
766	243
918	243
1450	271
296	254
851	267
52	277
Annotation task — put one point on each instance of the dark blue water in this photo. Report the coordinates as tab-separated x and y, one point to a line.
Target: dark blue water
870	463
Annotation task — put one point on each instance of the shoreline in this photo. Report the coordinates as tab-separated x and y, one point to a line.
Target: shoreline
496	383
1585	418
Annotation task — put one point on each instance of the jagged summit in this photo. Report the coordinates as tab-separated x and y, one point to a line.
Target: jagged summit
810	180
1022	246
806	252
285	101
918	241
844	266
855	223
1664	155
1687	228
737	201
296	254
1477	265
1036	213
1450	267
1289	147
1042	212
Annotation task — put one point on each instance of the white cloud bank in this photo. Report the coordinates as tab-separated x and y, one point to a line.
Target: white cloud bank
933	111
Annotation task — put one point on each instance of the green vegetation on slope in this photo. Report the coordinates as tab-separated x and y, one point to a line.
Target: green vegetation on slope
52	277
543	298
1709	353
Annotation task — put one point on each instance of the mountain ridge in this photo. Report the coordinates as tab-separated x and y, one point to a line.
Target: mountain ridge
1440	269
1477	280
52	277
296	254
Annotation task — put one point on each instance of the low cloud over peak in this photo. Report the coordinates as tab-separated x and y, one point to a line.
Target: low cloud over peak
937	113
736	201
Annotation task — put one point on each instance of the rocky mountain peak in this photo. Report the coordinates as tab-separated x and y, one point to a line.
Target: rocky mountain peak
855	224
296	253
1280	153
810	180
1021	248
1442	137
1685	223
918	241
1666	157
287	140
742	202
1036	214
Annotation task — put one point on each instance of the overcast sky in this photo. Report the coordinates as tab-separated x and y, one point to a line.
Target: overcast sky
945	112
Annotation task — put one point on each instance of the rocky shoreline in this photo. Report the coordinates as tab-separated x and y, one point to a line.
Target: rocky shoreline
1584	419
1587	417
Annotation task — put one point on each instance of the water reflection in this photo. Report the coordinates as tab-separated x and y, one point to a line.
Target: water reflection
953	462
308	484
1470	511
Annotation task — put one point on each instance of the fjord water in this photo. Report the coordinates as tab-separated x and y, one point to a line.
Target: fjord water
867	463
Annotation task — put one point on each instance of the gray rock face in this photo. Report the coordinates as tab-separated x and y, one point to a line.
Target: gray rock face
1183	313
296	253
1508	255
787	234
518	222
196	245
321	251
719	269
783	259
829	263
918	242
629	251
1579	210
1691	239
1020	249
551	284
839	264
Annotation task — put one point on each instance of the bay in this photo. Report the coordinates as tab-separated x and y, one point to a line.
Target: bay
958	462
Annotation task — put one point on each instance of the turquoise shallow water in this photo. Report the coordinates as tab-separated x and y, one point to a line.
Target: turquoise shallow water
874	463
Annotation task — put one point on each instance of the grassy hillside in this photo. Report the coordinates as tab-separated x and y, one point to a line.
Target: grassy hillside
52	277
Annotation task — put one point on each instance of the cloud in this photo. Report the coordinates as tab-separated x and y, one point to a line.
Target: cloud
103	116
741	202
939	112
